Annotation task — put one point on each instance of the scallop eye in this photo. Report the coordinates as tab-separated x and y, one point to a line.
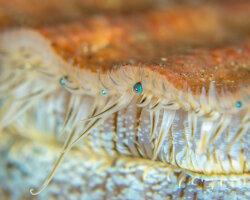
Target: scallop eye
63	80
138	88
238	104
103	92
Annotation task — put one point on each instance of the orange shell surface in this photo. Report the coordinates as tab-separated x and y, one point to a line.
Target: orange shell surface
191	45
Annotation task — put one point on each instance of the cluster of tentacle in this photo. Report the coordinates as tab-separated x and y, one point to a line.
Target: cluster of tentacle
160	114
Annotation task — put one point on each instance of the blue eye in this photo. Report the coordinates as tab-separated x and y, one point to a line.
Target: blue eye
63	80
238	104
103	92
138	88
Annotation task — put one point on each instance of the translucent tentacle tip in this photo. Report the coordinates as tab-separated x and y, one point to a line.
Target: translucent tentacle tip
63	80
238	104
138	88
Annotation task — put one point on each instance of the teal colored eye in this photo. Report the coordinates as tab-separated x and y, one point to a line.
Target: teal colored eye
238	104
138	88
63	80
103	92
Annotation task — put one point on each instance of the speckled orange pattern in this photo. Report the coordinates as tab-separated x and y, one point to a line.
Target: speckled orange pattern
175	42
191	45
